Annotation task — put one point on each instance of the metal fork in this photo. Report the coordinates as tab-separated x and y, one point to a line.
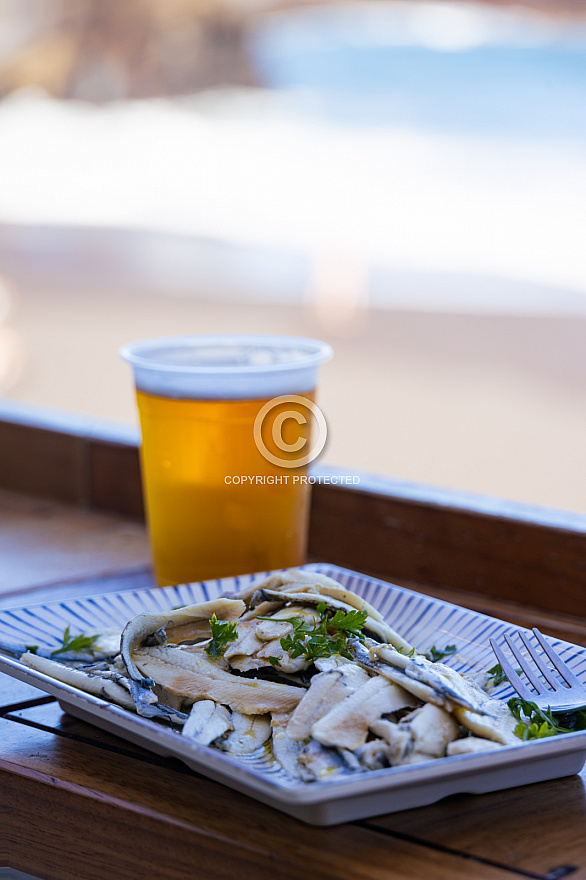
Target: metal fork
562	697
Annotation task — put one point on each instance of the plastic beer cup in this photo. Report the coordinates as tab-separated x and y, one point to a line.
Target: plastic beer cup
224	460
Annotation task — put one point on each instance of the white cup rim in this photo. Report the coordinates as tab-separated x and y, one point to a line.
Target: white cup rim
309	353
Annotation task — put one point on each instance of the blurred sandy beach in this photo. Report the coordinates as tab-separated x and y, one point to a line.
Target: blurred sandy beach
490	403
404	180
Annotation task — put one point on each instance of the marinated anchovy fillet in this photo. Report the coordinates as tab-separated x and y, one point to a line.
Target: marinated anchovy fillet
470	744
376	627
259	640
311	581
445	681
184	673
326	690
207	721
346	725
496	724
286	751
421	736
295	665
322	763
430	682
246	644
110	685
248	733
91	684
181	625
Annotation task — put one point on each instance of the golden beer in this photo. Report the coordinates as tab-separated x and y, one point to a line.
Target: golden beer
216	505
209	514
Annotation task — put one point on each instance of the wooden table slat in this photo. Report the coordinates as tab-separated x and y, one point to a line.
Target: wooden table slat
527	828
496	829
168	825
51	718
14	692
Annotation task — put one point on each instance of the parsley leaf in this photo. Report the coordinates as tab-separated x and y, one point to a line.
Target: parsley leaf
350	622
535	723
436	654
497	676
534	731
222	633
325	636
32	649
74	643
274	661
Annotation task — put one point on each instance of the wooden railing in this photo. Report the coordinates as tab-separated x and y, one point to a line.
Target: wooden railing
509	559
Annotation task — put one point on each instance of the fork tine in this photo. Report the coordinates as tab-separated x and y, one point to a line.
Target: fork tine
557	661
514	679
539	662
527	669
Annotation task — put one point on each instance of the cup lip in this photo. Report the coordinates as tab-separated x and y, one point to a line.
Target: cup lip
136	353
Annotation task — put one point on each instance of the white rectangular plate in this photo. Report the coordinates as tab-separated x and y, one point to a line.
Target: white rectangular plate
422	620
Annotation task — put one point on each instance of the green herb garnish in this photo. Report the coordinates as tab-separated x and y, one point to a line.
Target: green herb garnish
32	649
323	637
498	675
535	723
74	643
350	622
534	731
222	633
436	654
410	653
274	661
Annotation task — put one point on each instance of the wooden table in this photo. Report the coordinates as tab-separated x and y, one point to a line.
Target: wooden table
77	802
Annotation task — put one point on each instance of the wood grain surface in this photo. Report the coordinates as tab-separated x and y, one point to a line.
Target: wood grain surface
76	806
43	542
517	560
50	464
535	828
17	693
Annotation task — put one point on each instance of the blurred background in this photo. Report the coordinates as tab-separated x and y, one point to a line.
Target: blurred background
404	179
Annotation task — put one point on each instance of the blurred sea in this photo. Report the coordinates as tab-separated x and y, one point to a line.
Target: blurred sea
434	152
437	67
